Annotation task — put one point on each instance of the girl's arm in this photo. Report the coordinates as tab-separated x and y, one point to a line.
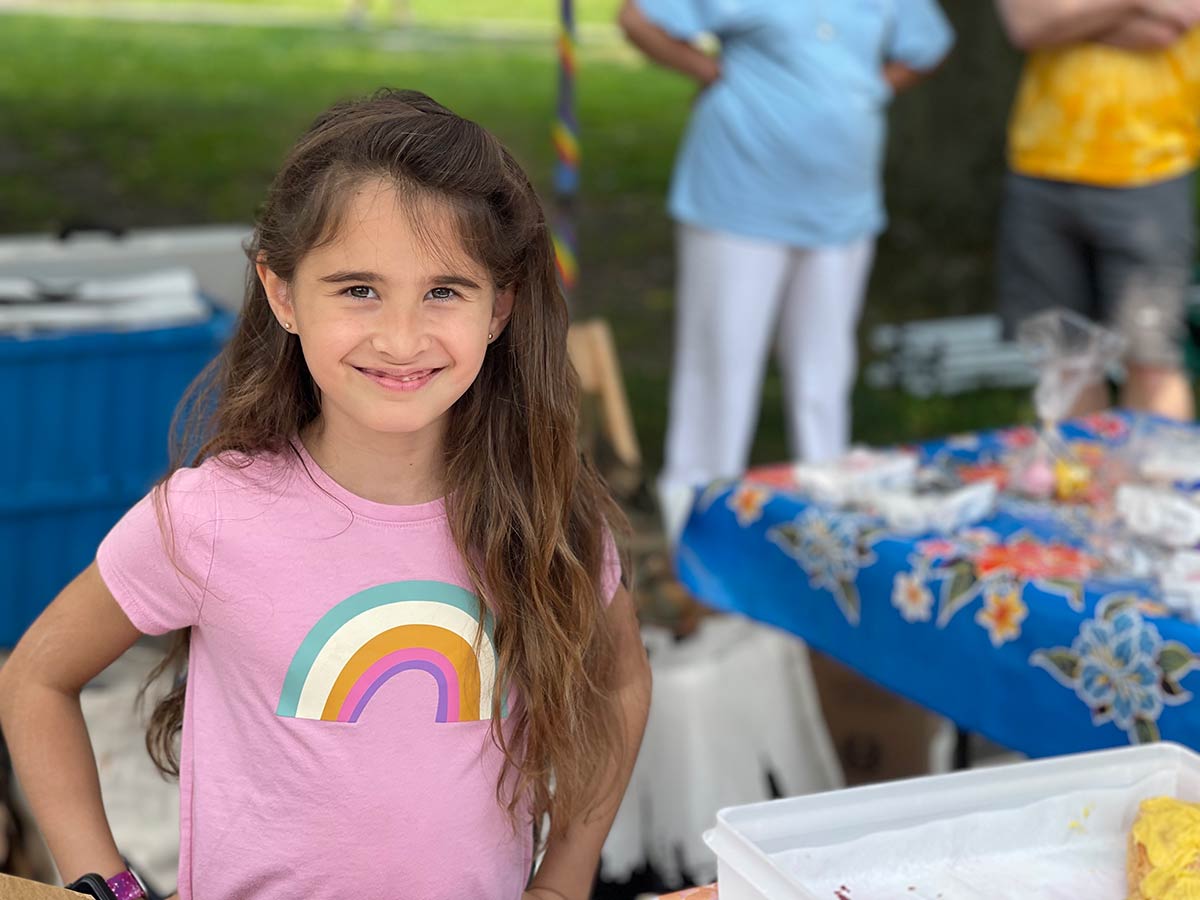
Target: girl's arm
74	640
569	867
664	49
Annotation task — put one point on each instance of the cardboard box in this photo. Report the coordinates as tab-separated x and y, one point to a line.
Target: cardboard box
19	889
879	735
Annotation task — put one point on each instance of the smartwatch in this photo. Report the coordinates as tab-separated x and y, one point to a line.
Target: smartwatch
92	885
122	886
125	886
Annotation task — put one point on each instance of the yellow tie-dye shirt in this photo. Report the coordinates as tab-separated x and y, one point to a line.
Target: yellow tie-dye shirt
1098	115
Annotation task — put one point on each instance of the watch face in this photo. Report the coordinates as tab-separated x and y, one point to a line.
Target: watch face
91	885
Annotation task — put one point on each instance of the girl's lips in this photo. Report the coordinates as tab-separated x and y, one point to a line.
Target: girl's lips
413	381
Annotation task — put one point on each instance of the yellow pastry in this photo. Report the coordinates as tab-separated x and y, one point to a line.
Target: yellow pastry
1164	851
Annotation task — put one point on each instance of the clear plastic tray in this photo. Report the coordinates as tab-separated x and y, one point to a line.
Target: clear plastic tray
750	841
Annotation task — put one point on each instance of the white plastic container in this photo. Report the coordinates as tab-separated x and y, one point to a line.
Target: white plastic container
161	299
213	252
747	839
909	513
857	474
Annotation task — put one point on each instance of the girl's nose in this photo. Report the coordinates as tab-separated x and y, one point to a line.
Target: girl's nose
399	331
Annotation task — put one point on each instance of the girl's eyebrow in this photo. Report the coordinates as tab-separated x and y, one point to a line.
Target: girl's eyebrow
338	277
376	278
459	280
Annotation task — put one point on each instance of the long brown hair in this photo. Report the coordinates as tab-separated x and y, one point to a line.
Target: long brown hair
527	510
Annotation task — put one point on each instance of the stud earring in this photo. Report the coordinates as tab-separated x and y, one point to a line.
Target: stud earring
489	337
287	326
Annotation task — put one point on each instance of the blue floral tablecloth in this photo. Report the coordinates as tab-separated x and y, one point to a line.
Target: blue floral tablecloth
1003	627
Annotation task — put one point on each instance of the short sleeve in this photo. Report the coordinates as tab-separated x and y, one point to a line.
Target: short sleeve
688	19
921	34
158	568
610	568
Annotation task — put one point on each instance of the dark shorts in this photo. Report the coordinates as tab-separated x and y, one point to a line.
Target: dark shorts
1121	256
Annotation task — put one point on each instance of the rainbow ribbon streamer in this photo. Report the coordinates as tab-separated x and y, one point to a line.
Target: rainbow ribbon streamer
565	260
565	135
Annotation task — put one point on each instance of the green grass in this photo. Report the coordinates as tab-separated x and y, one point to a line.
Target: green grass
431	11
154	125
166	123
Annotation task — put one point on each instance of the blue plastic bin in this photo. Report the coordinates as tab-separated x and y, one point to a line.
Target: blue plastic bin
87	418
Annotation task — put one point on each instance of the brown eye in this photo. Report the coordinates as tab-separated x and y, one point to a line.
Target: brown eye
442	293
360	292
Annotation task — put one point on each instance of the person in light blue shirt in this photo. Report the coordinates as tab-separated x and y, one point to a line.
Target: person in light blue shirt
777	192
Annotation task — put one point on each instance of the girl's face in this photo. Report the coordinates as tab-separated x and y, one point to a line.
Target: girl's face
392	333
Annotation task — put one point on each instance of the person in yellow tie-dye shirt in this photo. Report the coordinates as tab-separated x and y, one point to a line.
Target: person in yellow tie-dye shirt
1099	210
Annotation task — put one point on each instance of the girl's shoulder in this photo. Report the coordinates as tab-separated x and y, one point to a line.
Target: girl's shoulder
176	530
231	474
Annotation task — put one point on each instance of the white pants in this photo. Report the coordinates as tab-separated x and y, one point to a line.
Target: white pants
733	296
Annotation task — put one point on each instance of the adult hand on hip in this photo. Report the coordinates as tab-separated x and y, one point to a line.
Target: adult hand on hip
1143	33
1183	14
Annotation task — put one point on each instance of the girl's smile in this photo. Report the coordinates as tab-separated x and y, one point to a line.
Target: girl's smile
400	381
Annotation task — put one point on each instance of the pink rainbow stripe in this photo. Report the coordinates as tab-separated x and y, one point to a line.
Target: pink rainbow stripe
436	664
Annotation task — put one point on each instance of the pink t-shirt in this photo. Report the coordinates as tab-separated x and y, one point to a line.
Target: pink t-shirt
336	736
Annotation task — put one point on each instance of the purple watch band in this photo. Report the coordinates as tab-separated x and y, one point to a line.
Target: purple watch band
125	886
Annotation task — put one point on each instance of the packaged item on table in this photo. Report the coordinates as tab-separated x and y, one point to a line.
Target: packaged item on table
1167	517
1070	353
856	475
938	475
1172	457
1031	470
1071	472
909	513
1126	557
1073	480
1179	579
1033	477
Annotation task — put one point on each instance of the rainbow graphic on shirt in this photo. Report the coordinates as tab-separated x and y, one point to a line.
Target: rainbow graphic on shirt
369	638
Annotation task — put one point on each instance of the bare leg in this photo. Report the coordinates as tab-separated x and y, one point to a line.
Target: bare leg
1162	390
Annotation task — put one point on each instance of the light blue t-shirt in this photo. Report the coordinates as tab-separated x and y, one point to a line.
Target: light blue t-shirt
788	145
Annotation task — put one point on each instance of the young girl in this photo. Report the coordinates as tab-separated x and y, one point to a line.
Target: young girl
407	640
